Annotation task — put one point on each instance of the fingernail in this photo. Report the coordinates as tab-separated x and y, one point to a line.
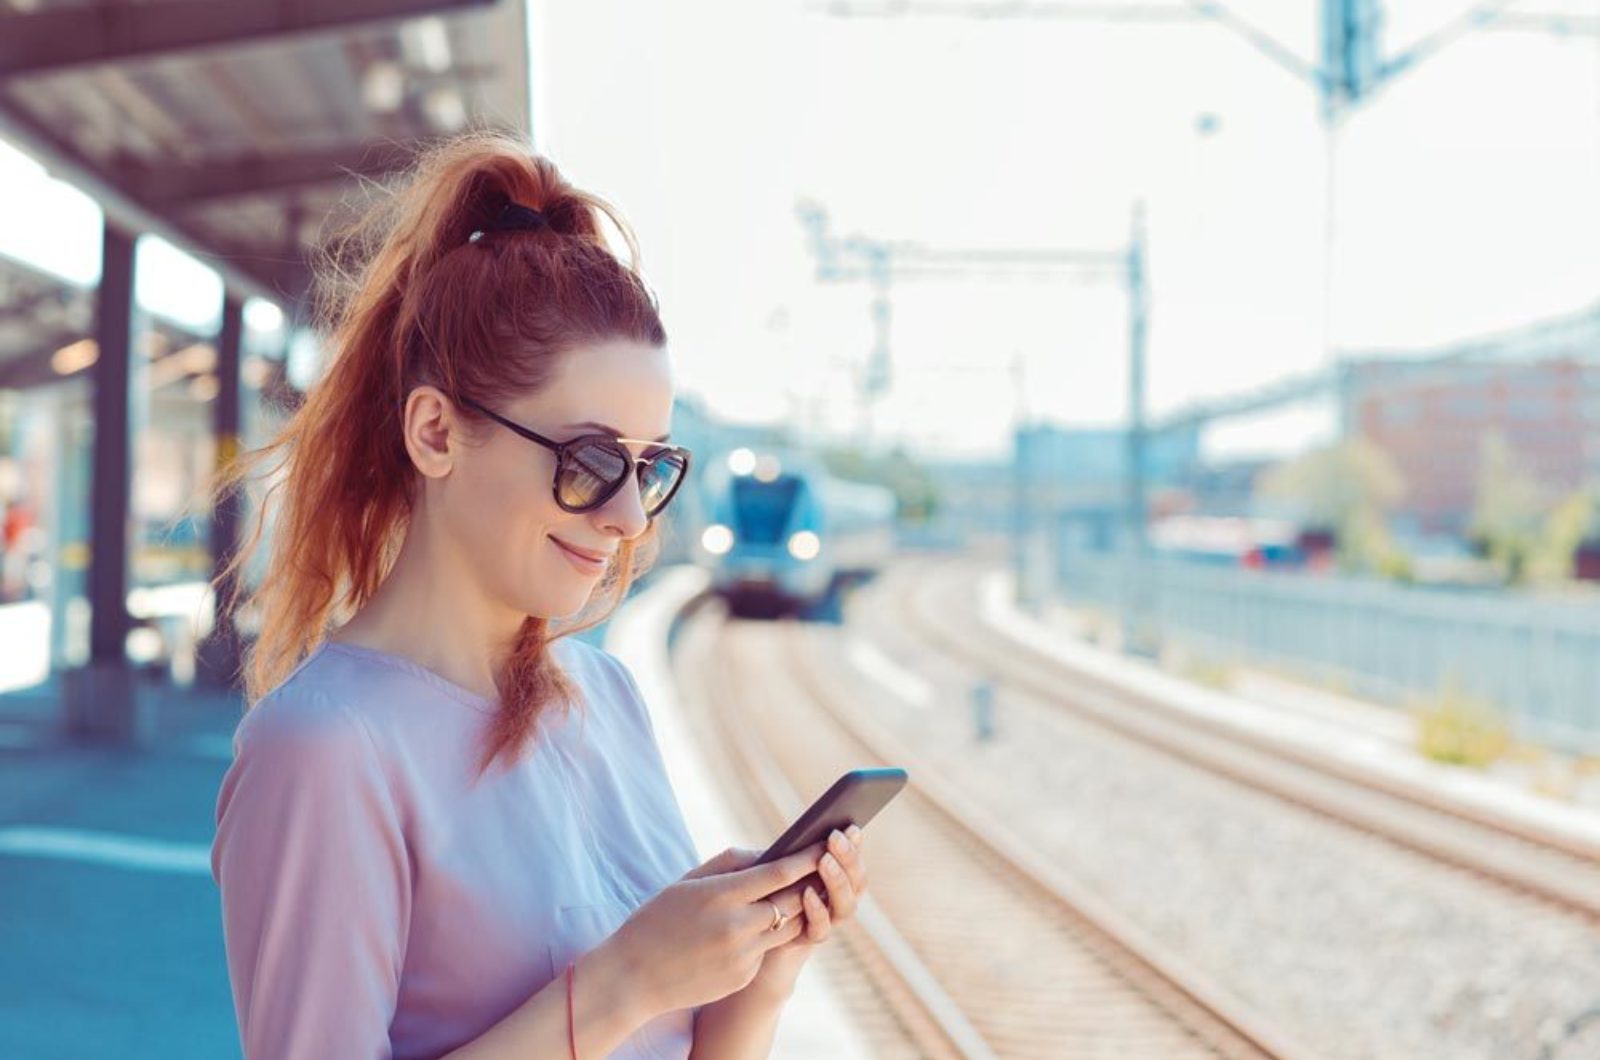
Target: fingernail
835	836
855	833
830	864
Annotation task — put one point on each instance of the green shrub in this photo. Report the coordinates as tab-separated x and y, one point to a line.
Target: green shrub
1461	730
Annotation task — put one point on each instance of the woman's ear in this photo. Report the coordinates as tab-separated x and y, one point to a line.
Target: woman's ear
428	422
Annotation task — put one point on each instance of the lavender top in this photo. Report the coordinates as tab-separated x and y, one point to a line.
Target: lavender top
376	903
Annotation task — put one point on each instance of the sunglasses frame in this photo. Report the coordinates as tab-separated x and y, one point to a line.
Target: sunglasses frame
562	448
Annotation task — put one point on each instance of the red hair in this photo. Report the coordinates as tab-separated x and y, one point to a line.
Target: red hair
406	299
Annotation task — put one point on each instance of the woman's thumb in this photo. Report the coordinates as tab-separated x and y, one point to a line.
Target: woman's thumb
731	859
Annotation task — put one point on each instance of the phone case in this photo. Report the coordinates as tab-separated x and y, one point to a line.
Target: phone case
854	799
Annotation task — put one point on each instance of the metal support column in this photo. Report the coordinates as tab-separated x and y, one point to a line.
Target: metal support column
1138	634
1019	484
99	697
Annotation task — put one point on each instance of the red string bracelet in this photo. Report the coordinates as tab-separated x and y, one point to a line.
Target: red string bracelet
572	1033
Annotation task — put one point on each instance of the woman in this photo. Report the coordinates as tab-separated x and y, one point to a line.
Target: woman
447	829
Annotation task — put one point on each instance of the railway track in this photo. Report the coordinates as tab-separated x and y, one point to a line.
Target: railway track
970	943
1560	871
1368	920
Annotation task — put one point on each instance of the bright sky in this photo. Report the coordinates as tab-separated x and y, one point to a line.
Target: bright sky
1465	195
1464	199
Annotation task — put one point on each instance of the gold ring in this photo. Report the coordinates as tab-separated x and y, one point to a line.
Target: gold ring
779	917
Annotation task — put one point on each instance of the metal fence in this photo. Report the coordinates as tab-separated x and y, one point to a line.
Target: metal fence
1537	660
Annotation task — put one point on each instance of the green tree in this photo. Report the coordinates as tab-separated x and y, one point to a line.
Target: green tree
1520	523
1347	488
916	498
1565	528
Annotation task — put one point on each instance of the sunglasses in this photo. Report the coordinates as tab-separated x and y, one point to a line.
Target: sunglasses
591	468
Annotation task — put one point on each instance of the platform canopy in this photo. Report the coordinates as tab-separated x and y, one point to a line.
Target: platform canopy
236	129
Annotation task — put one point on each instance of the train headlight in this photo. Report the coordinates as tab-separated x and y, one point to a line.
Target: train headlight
803	544
767	468
716	539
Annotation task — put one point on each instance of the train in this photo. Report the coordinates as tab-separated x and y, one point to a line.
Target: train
781	535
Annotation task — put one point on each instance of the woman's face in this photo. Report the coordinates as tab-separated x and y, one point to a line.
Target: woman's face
498	501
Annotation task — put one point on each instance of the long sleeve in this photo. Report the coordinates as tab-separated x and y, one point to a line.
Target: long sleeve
315	879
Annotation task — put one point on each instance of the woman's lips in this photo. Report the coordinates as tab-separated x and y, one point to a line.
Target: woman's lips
584	561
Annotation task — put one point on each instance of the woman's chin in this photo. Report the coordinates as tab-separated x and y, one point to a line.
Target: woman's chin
555	605
573	599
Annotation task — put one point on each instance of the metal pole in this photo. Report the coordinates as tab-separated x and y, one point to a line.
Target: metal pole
1019	487
1136	635
99	697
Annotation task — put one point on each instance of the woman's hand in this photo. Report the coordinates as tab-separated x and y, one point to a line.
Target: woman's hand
780	968
846	882
704	937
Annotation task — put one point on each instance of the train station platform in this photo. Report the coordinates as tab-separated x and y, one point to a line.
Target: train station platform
113	939
815	1025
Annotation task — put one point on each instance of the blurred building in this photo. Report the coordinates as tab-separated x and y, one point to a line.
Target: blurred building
1056	473
1539	389
1066	466
973	498
1226	487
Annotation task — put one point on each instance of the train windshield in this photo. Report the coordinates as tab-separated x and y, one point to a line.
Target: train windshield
762	509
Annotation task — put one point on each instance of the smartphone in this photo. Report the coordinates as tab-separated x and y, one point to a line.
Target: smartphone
854	799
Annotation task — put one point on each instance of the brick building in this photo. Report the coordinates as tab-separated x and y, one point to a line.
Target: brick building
1432	416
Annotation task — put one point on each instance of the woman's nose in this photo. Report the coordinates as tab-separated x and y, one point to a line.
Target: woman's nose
625	510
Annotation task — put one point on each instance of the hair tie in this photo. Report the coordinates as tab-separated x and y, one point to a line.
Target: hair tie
513	215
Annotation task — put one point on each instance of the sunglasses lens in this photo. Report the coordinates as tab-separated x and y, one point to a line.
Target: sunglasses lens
658	479
590	472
